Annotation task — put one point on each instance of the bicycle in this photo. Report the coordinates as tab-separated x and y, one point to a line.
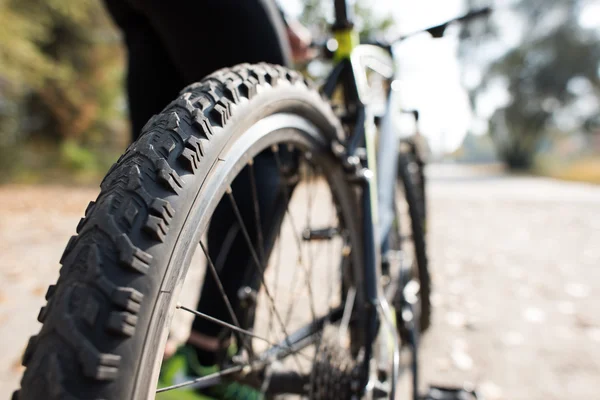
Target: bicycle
107	318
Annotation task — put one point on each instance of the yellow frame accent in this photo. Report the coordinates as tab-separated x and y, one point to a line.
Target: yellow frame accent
347	40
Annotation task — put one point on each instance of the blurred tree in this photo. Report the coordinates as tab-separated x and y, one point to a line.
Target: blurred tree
60	72
21	61
80	42
22	65
475	149
552	53
317	14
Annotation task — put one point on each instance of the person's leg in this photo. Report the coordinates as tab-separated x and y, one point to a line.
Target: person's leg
152	79
200	37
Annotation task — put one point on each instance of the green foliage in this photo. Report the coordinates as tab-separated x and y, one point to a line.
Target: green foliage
61	68
21	62
76	157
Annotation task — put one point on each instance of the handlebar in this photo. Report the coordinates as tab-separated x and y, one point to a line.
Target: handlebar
435	31
438	30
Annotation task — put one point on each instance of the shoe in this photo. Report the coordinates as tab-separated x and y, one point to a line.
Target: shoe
184	366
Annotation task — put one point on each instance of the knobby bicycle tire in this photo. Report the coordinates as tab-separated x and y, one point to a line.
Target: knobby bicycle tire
411	193
121	272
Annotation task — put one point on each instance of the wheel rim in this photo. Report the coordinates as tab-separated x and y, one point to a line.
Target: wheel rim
315	176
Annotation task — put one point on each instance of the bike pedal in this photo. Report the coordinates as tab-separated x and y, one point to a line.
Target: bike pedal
449	393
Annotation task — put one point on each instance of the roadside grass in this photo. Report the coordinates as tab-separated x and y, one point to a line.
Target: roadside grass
585	169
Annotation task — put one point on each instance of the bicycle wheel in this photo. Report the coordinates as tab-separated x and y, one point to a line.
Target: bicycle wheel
108	317
415	169
407	246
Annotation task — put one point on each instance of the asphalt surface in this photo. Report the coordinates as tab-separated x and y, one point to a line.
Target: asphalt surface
515	263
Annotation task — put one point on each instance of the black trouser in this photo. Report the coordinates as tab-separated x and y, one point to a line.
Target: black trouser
174	43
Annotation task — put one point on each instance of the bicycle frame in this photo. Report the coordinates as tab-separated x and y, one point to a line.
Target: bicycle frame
379	170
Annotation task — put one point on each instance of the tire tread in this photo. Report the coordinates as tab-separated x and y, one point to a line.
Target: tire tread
92	311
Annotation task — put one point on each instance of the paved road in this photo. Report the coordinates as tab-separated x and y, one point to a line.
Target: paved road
514	260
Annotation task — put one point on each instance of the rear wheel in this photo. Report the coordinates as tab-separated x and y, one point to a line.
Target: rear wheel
108	317
407	254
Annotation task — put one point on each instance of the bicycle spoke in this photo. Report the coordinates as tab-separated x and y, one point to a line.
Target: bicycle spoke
203	379
309	198
314	255
330	264
310	250
260	267
256	207
213	270
235	328
277	264
297	238
307	263
294	291
309	330
223	323
276	281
